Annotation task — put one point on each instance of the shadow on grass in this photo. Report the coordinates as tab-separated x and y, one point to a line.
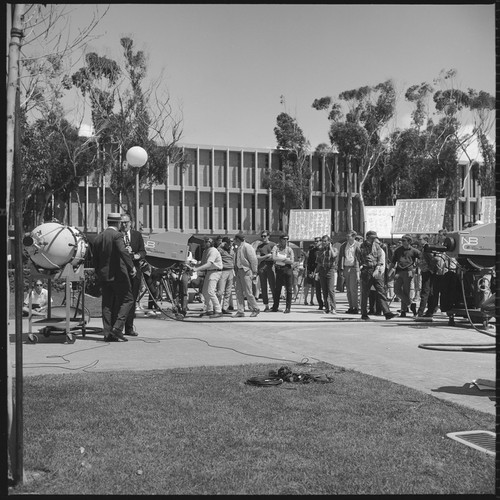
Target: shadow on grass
466	390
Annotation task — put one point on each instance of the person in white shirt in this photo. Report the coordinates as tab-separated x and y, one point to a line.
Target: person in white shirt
283	258
39	300
211	263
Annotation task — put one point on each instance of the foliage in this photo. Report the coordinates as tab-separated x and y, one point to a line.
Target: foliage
126	115
423	160
54	161
291	183
356	127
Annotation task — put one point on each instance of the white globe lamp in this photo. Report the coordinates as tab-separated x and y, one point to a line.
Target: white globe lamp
137	158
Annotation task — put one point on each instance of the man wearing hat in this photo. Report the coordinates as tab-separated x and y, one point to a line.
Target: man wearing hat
283	258
114	270
371	264
404	260
245	268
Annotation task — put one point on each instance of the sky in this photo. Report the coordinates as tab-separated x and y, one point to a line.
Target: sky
226	66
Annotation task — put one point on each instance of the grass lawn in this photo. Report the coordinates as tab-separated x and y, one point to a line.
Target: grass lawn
204	431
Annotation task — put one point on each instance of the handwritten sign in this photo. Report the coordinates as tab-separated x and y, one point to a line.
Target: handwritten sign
419	216
379	219
307	224
488	209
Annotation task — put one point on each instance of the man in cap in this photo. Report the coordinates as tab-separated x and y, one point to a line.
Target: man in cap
245	269
114	270
371	264
349	268
404	260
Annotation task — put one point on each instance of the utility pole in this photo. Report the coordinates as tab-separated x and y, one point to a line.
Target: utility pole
15	426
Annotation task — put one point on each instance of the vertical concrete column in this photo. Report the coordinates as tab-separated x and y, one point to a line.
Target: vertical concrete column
270	198
241	190
336	192
212	191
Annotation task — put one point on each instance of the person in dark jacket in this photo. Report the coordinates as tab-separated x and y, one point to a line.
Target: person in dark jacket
114	270
311	271
326	267
134	243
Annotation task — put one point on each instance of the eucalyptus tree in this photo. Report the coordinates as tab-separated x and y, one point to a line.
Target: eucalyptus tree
291	183
423	159
126	113
358	120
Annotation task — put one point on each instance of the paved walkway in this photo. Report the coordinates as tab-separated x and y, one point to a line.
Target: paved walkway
385	349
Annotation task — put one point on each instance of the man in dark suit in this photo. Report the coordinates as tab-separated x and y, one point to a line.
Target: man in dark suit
114	269
134	244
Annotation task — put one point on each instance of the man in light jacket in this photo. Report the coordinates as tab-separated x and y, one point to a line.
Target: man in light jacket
245	269
349	268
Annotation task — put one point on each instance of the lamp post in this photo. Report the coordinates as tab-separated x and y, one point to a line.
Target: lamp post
137	158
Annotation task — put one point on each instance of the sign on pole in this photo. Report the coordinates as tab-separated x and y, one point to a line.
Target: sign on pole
419	216
488	209
379	219
307	224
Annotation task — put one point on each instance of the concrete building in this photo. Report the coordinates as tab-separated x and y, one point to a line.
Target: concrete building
221	192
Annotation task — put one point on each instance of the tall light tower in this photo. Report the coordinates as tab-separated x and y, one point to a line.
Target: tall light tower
137	158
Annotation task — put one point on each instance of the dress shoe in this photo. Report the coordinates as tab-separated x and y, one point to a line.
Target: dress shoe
389	315
327	311
355	310
402	314
206	313
275	310
255	313
216	315
349	311
239	315
311	303
287	310
225	311
320	308
110	338
266	309
118	335
132	333
305	303
413	308
365	316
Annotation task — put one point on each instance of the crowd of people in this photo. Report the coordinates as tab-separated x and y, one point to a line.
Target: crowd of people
372	273
415	272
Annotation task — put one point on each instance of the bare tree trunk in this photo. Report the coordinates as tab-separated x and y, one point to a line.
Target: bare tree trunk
349	194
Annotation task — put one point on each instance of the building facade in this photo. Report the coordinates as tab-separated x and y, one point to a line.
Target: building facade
221	191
